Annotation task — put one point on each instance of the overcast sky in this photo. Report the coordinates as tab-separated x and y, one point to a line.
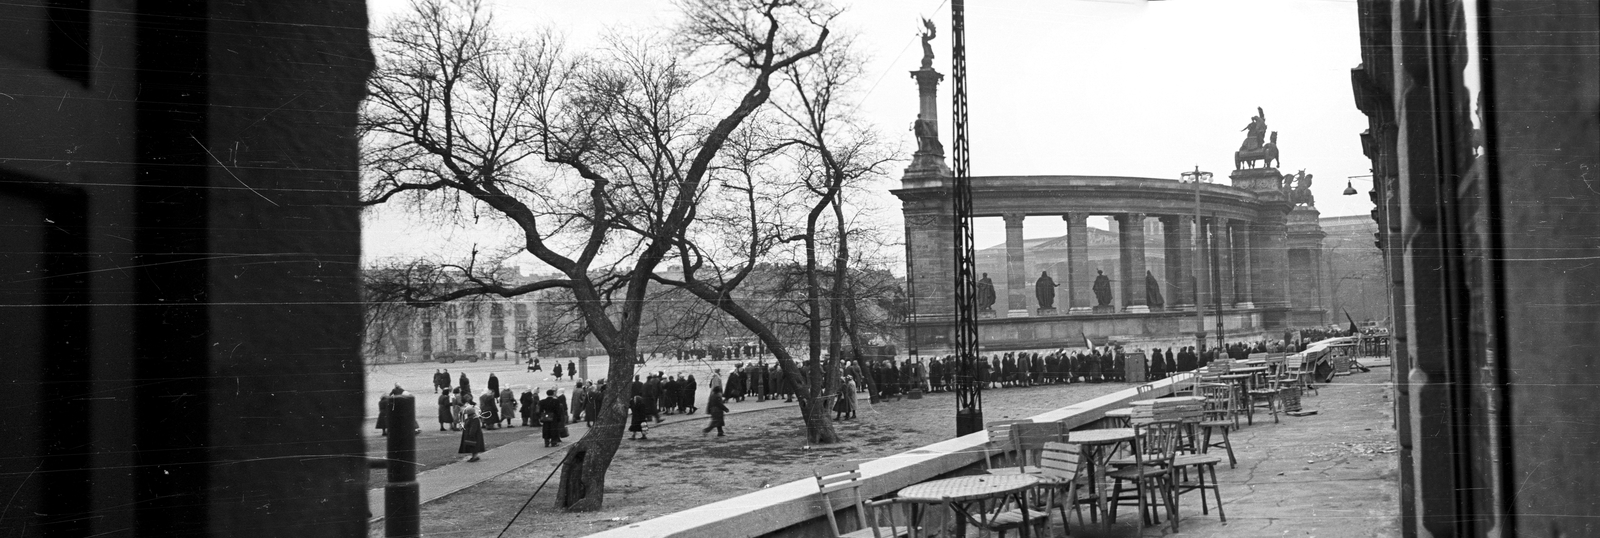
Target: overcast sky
1069	87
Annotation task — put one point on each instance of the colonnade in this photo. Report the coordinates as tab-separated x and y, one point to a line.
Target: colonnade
1240	267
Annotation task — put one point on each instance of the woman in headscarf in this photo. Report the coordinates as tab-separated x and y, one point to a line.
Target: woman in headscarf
491	412
471	431
639	410
591	404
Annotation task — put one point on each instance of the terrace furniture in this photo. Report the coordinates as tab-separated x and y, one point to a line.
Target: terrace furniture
896	517
1218	412
1151	477
1029	438
1062	467
997	503
1119	417
842	477
1097	448
1200	465
998	452
1265	396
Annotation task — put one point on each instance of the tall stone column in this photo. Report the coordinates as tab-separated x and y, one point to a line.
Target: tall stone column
1130	250
1016	268
1268	260
1081	279
1175	231
1224	239
928	161
1241	265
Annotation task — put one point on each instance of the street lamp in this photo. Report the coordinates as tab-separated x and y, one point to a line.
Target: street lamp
1350	188
1199	231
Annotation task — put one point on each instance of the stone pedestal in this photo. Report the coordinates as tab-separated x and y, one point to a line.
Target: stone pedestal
928	162
1107	309
1046	312
1268	239
987	314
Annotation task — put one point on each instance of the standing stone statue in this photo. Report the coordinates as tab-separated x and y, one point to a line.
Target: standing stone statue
1045	290
927	46
1152	291
927	133
1102	288
985	294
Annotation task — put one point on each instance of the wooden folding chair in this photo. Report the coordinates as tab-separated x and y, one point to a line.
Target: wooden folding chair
998	453
1061	465
1151	476
1219	415
846	477
1029	438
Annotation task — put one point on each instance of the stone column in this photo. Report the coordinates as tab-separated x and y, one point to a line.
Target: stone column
1241	266
1016	268
1130	250
928	162
1268	258
1175	230
1079	282
1224	238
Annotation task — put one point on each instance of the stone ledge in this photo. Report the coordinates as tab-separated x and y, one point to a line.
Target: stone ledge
795	503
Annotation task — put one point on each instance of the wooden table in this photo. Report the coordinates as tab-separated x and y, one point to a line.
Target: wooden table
1123	416
975	499
1094	443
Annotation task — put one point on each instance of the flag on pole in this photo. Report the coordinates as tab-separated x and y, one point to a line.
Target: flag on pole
1086	342
1353	328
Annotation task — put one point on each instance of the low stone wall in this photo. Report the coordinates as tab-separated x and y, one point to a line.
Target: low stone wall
793	509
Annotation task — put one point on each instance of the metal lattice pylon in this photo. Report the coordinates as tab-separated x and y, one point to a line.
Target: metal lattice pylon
969	392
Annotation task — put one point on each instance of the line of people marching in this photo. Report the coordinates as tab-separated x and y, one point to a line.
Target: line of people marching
661	394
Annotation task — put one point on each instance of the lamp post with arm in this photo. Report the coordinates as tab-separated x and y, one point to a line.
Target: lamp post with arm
1199	233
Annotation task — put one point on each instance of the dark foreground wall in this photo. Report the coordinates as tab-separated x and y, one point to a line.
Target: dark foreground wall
178	268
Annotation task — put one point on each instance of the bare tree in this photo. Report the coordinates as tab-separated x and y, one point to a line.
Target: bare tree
460	117
828	155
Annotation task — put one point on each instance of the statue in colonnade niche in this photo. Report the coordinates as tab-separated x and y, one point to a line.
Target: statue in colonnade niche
985	293
1044	289
1152	291
1102	288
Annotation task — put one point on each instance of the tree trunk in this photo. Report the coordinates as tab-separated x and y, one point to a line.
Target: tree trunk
819	424
583	479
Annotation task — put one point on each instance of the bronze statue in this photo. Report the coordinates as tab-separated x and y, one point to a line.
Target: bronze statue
1102	288
927	46
1255	132
927	133
1045	290
1302	189
1152	291
985	294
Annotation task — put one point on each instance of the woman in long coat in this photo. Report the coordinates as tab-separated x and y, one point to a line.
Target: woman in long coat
508	406
591	403
447	417
471	431
639	410
490	411
550	418
686	390
717	410
529	405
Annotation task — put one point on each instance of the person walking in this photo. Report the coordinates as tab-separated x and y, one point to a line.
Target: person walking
447	417
529	406
686	400
591	404
639	410
572	370
471	432
550	418
491	412
580	396
717	410
508	406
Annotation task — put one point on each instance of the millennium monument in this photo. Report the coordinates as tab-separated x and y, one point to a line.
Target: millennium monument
1263	227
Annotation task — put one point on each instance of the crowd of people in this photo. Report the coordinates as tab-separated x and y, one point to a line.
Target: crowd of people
649	399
